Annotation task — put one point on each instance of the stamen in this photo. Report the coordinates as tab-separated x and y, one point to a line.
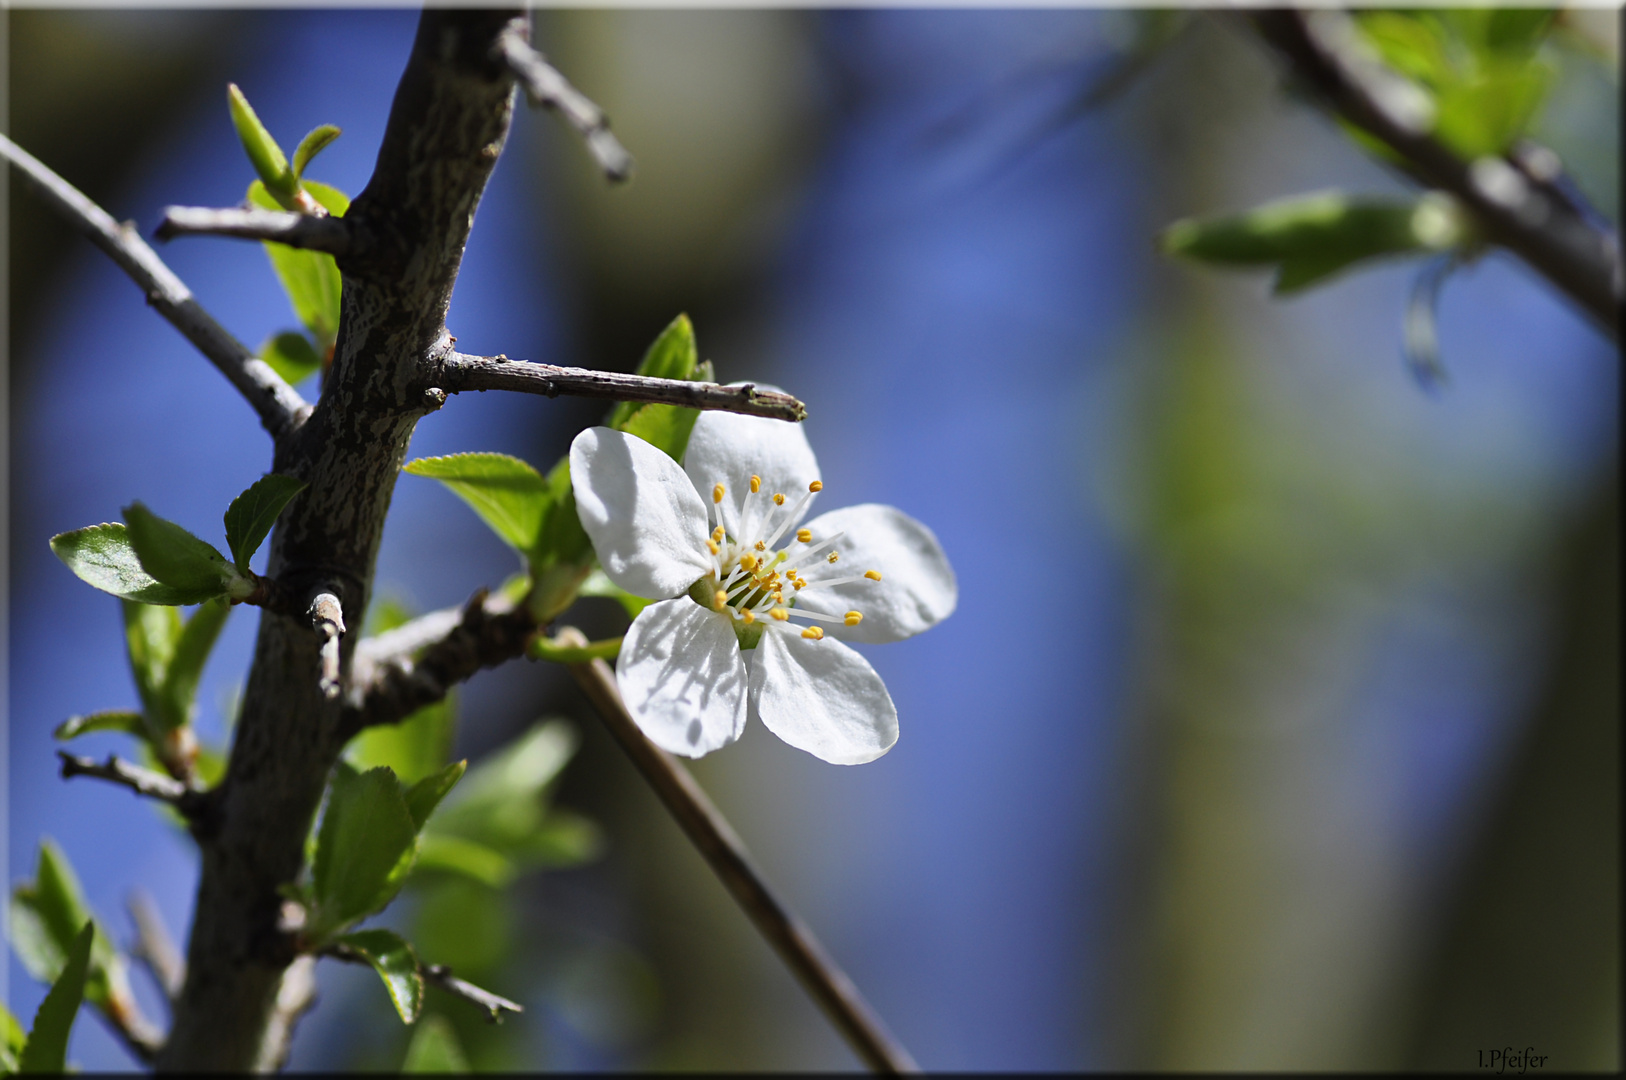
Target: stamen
813	633
853	618
750	617
717	534
761	546
780	614
711	545
800	583
873	575
756	484
779	500
748	561
817	485
805	535
717	493
832	557
720	600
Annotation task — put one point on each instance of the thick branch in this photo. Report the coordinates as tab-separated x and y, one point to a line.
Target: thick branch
463	372
145	782
329	234
1323	53
547	89
717	842
279	406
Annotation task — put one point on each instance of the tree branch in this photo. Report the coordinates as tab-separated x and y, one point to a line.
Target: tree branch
327	619
547	89
388	684
1323	52
494	1004
329	234
154	947
718	844
463	372
153	785
280	408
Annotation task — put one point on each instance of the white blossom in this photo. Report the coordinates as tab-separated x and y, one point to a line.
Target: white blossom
753	606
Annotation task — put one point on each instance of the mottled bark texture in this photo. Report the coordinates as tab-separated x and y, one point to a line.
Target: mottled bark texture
408	230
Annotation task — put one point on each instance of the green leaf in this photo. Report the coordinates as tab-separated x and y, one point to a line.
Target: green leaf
263	151
426	794
12	1038
503	801
364	848
563	556
310	278
192	651
563	839
456	855
151	633
101	555
599	584
47	1048
412	749
1315	236
130	723
175	557
250	516
291	355
665	426
507	493
672	356
311	145
434	1049
396	964
47	915
1486	114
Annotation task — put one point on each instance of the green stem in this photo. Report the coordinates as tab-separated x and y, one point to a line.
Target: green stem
543	648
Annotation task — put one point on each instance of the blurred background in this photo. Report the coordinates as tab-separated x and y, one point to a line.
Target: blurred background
1278	723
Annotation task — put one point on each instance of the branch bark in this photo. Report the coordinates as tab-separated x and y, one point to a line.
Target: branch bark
409	226
547	89
463	372
145	782
329	234
1582	260
280	408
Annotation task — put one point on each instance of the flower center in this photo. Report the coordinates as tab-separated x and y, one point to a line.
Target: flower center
757	585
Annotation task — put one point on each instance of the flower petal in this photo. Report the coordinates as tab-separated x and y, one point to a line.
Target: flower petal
729	448
641	513
682	677
822	697
917	588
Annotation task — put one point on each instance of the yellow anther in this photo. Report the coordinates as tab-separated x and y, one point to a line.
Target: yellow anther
832	557
779	500
800	583
780	613
805	535
813	632
873	575
748	561
717	494
756	484
720	601
817	485
712	544
717	534
761	546
853	618
749	617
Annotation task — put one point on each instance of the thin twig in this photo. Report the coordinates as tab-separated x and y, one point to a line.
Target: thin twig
154	947
1323	52
140	1035
327	619
329	234
494	1004
279	406
464	372
153	785
295	996
547	89
438	975
720	847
